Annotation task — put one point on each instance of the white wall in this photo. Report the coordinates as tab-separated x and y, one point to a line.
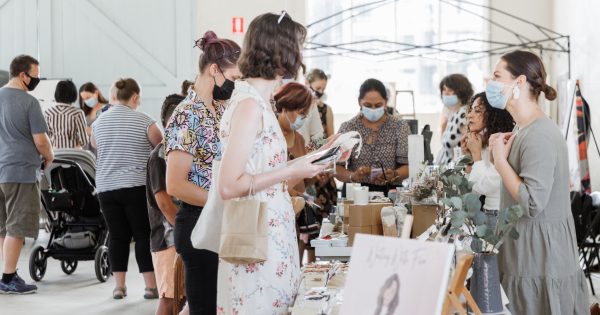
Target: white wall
578	19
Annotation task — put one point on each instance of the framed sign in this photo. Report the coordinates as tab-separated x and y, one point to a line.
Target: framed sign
392	276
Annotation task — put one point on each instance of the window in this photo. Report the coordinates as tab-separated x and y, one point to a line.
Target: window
398	25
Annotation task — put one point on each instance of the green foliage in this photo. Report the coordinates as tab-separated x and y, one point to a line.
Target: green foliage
466	217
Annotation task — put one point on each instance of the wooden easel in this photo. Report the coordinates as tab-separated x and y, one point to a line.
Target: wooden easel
452	304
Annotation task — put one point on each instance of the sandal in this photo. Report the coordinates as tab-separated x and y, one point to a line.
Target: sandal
151	293
119	293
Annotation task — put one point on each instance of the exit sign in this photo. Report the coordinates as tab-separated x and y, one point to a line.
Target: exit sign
237	24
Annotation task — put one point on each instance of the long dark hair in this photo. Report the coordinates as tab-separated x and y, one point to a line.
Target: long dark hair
391	308
92	88
494	120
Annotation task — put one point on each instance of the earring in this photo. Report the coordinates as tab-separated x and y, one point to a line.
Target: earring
516	92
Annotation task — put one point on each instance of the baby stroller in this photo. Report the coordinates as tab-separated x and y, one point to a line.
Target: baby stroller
77	227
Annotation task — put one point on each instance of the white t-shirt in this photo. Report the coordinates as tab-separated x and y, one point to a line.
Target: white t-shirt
312	128
486	181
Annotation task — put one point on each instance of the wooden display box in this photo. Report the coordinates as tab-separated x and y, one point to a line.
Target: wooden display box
366	215
424	216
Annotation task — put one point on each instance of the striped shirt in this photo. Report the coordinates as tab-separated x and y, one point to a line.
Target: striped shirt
66	126
123	148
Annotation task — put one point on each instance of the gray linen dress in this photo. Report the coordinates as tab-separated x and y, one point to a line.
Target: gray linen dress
540	271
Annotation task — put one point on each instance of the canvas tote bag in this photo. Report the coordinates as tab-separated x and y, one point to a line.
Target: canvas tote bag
207	231
244	230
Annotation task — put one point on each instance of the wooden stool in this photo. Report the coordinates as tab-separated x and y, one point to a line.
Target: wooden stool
457	288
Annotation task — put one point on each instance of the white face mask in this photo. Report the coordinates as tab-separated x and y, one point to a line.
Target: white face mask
373	114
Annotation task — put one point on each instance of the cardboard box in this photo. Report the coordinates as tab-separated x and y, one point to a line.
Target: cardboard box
366	215
424	216
352	231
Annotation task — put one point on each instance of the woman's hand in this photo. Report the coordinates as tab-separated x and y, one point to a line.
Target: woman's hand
390	176
361	175
463	144
304	168
501	145
474	145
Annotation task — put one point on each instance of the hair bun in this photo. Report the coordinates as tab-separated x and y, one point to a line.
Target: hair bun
549	92
120	84
209	37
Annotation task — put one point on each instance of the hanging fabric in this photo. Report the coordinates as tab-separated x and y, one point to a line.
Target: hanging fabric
583	132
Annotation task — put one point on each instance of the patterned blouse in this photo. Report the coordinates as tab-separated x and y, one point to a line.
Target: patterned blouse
194	129
388	147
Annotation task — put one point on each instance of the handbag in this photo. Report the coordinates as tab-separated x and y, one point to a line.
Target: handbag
207	231
307	221
244	230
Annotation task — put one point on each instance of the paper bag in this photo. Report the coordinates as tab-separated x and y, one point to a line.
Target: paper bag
244	232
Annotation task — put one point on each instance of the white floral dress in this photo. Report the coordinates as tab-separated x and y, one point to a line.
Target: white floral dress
269	287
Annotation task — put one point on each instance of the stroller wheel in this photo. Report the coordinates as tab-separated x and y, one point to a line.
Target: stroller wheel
68	266
37	263
102	264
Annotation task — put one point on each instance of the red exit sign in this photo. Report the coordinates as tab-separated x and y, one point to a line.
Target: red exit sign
237	24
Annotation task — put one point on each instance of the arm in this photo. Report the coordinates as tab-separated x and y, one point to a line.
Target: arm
166	205
443	124
155	136
234	182
329	118
532	187
179	164
43	146
81	133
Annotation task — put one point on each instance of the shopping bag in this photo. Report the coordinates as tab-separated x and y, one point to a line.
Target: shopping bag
207	231
244	232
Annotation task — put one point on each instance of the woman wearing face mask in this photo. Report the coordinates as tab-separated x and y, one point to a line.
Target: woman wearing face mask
456	91
324	187
483	121
540	270
384	158
91	102
192	144
292	102
124	138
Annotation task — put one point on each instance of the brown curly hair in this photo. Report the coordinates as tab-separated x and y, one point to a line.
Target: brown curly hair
272	47
495	120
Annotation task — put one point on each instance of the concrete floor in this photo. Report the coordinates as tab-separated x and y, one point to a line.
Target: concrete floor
82	293
78	293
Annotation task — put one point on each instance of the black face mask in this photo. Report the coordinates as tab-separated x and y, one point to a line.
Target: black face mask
33	82
224	91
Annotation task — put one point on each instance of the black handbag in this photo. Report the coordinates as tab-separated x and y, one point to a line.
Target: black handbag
308	222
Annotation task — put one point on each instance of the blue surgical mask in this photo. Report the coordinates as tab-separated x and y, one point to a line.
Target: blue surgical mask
91	102
449	100
494	95
373	115
298	123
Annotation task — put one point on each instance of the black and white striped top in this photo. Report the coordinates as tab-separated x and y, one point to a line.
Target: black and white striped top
122	147
66	126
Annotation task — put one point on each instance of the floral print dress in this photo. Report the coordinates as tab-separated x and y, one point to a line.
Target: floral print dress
268	287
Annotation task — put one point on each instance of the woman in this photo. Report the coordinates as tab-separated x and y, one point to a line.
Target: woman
540	270
124	138
325	187
91	102
456	91
483	121
292	103
384	158
66	124
192	144
255	155
389	296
